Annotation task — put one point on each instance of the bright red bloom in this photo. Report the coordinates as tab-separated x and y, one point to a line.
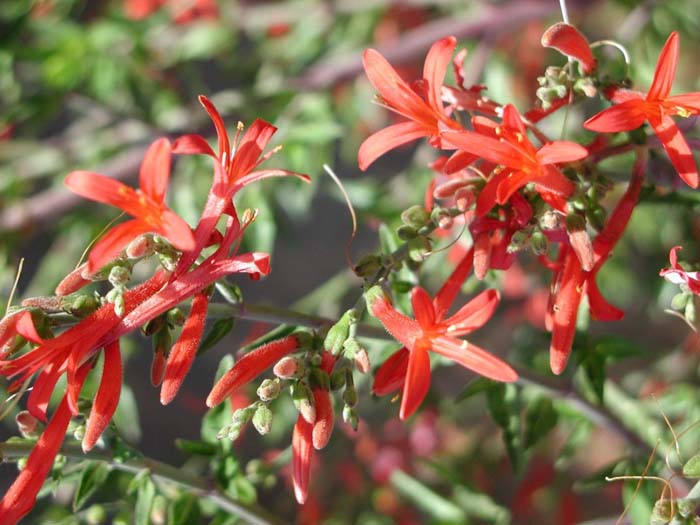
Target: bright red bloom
677	275
147	205
570	42
423	108
432	331
507	145
633	108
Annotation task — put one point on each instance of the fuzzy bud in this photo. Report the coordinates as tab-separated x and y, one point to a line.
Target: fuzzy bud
368	266
339	332
262	419
119	276
142	246
361	360
286	368
29	426
303	400
81	306
119	305
269	389
539	242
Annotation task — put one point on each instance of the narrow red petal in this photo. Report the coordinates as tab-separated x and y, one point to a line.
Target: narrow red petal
301	458
665	69
601	309
570	42
688	101
512	119
104	189
422	307
561	151
474	358
221	133
391	374
387	139
417	381
487	197
193	145
155	170
677	149
458	161
107	397
484	146
436	63
39	397
474	314
116	239
626	116
565	312
253	143
447	294
176	230
402	328
184	350
250	366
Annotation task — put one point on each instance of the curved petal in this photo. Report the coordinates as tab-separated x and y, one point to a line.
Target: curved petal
401	328
474	358
474	314
417	381
224	146
487	198
176	230
25	327
113	242
391	374
301	459
184	350
436	63
247	156
560	151
485	147
266	174
192	145
446	295
155	170
422	308
107	397
601	309
677	149
626	116
512	119
566	39
393	89
620	95
688	101
458	161
565	312
665	69
387	139
554	181
104	189
39	397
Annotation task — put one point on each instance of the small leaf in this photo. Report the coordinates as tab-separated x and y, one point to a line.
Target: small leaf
691	469
92	478
540	418
432	503
197	448
184	510
144	502
218	331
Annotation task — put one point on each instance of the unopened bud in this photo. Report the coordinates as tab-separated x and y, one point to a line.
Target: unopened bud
415	216
95	515
586	86
361	360
440	215
119	276
597	217
316	360
158	368
350	417
29	426
680	300
82	305
349	394
79	432
686	507
262	419
406	232
538	242
339	332
142	246
662	512
550	220
338	379
119	305
303	400
269	389
368	266
286	368
176	317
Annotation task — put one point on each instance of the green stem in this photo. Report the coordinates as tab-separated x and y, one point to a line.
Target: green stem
159	471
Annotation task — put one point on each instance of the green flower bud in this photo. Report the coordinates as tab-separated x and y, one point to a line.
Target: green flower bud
368	266
82	305
262	419
406	232
338	379
95	515
119	305
119	276
350	417
415	216
269	389
338	333
539	242
680	300
175	316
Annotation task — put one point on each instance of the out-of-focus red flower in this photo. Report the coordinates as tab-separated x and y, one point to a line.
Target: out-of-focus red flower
633	108
677	275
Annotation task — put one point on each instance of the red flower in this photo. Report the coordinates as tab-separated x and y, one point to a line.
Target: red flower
633	108
508	145
147	205
432	331
570	42
677	275
423	110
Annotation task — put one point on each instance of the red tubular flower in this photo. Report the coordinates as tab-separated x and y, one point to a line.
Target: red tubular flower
184	350
323	426
302	452
107	397
17	323
677	275
633	108
570	42
424	111
146	204
432	331
250	366
508	145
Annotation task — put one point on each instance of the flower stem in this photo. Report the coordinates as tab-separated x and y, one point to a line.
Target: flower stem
159	471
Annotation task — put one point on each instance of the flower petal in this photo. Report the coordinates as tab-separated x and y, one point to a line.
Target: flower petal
391	374
626	116
561	151
176	230
387	139
474	314
422	308
688	101
677	149
474	358
436	63
155	170
570	42
512	120
104	189
484	146
224	146
113	242
417	381
487	197
404	329
665	69
107	397
253	143
445	297
192	145
600	308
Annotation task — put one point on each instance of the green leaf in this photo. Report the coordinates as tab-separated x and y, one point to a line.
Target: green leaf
197	448
430	502
144	502
94	475
691	469
476	386
504	405
540	418
480	506
218	331
184	510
